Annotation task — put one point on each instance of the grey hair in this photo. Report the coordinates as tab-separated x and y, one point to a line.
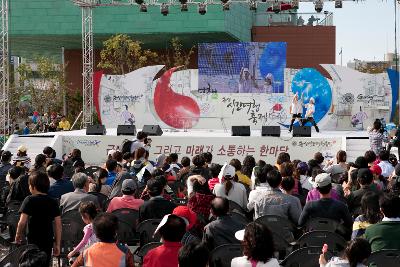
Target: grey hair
79	180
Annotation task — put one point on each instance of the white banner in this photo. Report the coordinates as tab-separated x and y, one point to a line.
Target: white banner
95	148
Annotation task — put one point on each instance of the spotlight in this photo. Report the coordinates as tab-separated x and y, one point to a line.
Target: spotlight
253	5
276	6
202	9
295	4
225	7
143	7
338	4
139	2
264	1
319	5
184	7
164	9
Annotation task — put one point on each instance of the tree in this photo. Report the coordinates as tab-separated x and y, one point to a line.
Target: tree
122	55
176	56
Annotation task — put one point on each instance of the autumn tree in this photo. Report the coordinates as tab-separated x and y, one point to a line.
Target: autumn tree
175	55
121	55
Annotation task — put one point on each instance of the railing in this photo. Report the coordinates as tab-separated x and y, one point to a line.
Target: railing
293	19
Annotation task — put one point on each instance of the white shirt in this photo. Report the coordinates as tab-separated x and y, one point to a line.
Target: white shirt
310	110
237	193
297	107
386	167
305	183
244	262
254	193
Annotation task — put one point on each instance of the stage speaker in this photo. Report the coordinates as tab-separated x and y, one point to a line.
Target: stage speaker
97	129
152	130
302	131
240	130
271	131
126	130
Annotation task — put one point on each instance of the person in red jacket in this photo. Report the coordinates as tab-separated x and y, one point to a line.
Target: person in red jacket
171	229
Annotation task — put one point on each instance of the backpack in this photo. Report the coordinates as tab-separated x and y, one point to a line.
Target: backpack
126	146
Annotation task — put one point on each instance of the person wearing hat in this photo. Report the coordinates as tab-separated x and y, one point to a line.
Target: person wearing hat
128	200
157	206
229	188
376	173
22	158
310	114
171	229
5	166
191	217
326	207
353	199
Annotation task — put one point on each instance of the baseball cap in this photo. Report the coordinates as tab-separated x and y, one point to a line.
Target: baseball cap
364	173
165	220
323	179
376	169
22	148
226	171
239	235
188	214
302	166
128	185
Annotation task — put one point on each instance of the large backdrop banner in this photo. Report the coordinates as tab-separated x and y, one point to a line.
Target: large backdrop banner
242	84
95	149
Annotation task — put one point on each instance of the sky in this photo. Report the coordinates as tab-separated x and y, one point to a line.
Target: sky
364	29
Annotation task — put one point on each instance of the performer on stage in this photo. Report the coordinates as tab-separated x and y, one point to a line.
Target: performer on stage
310	114
296	109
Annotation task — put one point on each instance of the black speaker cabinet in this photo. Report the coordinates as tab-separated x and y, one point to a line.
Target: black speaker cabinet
302	131
97	129
271	131
126	130
240	130
152	130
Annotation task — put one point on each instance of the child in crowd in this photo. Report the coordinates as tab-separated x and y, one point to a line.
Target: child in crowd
88	212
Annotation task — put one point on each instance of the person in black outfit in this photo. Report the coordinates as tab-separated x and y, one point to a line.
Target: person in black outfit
157	206
39	211
19	188
199	167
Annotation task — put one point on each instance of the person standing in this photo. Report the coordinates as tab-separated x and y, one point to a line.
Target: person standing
296	109
64	124
310	113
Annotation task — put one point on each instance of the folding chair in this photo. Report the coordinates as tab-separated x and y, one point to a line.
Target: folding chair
305	257
222	255
335	242
279	225
127	222
146	231
385	258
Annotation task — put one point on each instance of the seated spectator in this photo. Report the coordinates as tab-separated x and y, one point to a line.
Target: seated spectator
100	186
128	200
19	185
271	200
38	212
241	178
258	247
112	168
302	169
376	174
40	163
106	252
61	186
33	257
247	167
386	166
386	234
229	188
365	179
370	214
199	167
160	176
64	124
314	193
183	173
256	172
171	229
72	200
207	158
194	254
326	207
5	166
215	170
51	154
282	158
287	185
337	169
319	158
88	212
191	234
360	162
223	229
355	255
22	159
157	206
370	157
73	161
200	200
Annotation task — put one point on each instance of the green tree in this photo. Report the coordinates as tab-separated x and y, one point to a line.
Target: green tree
175	55
121	55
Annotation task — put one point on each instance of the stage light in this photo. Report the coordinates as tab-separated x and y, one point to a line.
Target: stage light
264	1
143	7
202	8
276	6
184	7
164	9
319	5
139	2
225	7
253	5
295	4
338	4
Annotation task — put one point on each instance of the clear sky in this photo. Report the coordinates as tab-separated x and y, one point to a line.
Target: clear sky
364	29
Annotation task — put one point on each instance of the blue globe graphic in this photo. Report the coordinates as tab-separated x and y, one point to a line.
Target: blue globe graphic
311	83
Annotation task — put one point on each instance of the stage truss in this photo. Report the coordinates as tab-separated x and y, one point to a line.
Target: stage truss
4	72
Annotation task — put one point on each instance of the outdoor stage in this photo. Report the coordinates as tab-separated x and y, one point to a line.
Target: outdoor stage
223	146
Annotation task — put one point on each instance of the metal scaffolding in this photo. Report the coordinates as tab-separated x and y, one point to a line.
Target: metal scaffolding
4	72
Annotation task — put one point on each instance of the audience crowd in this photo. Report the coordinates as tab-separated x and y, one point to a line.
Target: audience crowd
200	204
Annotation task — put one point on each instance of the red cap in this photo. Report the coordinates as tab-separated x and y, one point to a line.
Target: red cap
376	169
185	212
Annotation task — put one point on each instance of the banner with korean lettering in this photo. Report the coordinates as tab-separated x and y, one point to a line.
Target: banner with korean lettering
94	149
